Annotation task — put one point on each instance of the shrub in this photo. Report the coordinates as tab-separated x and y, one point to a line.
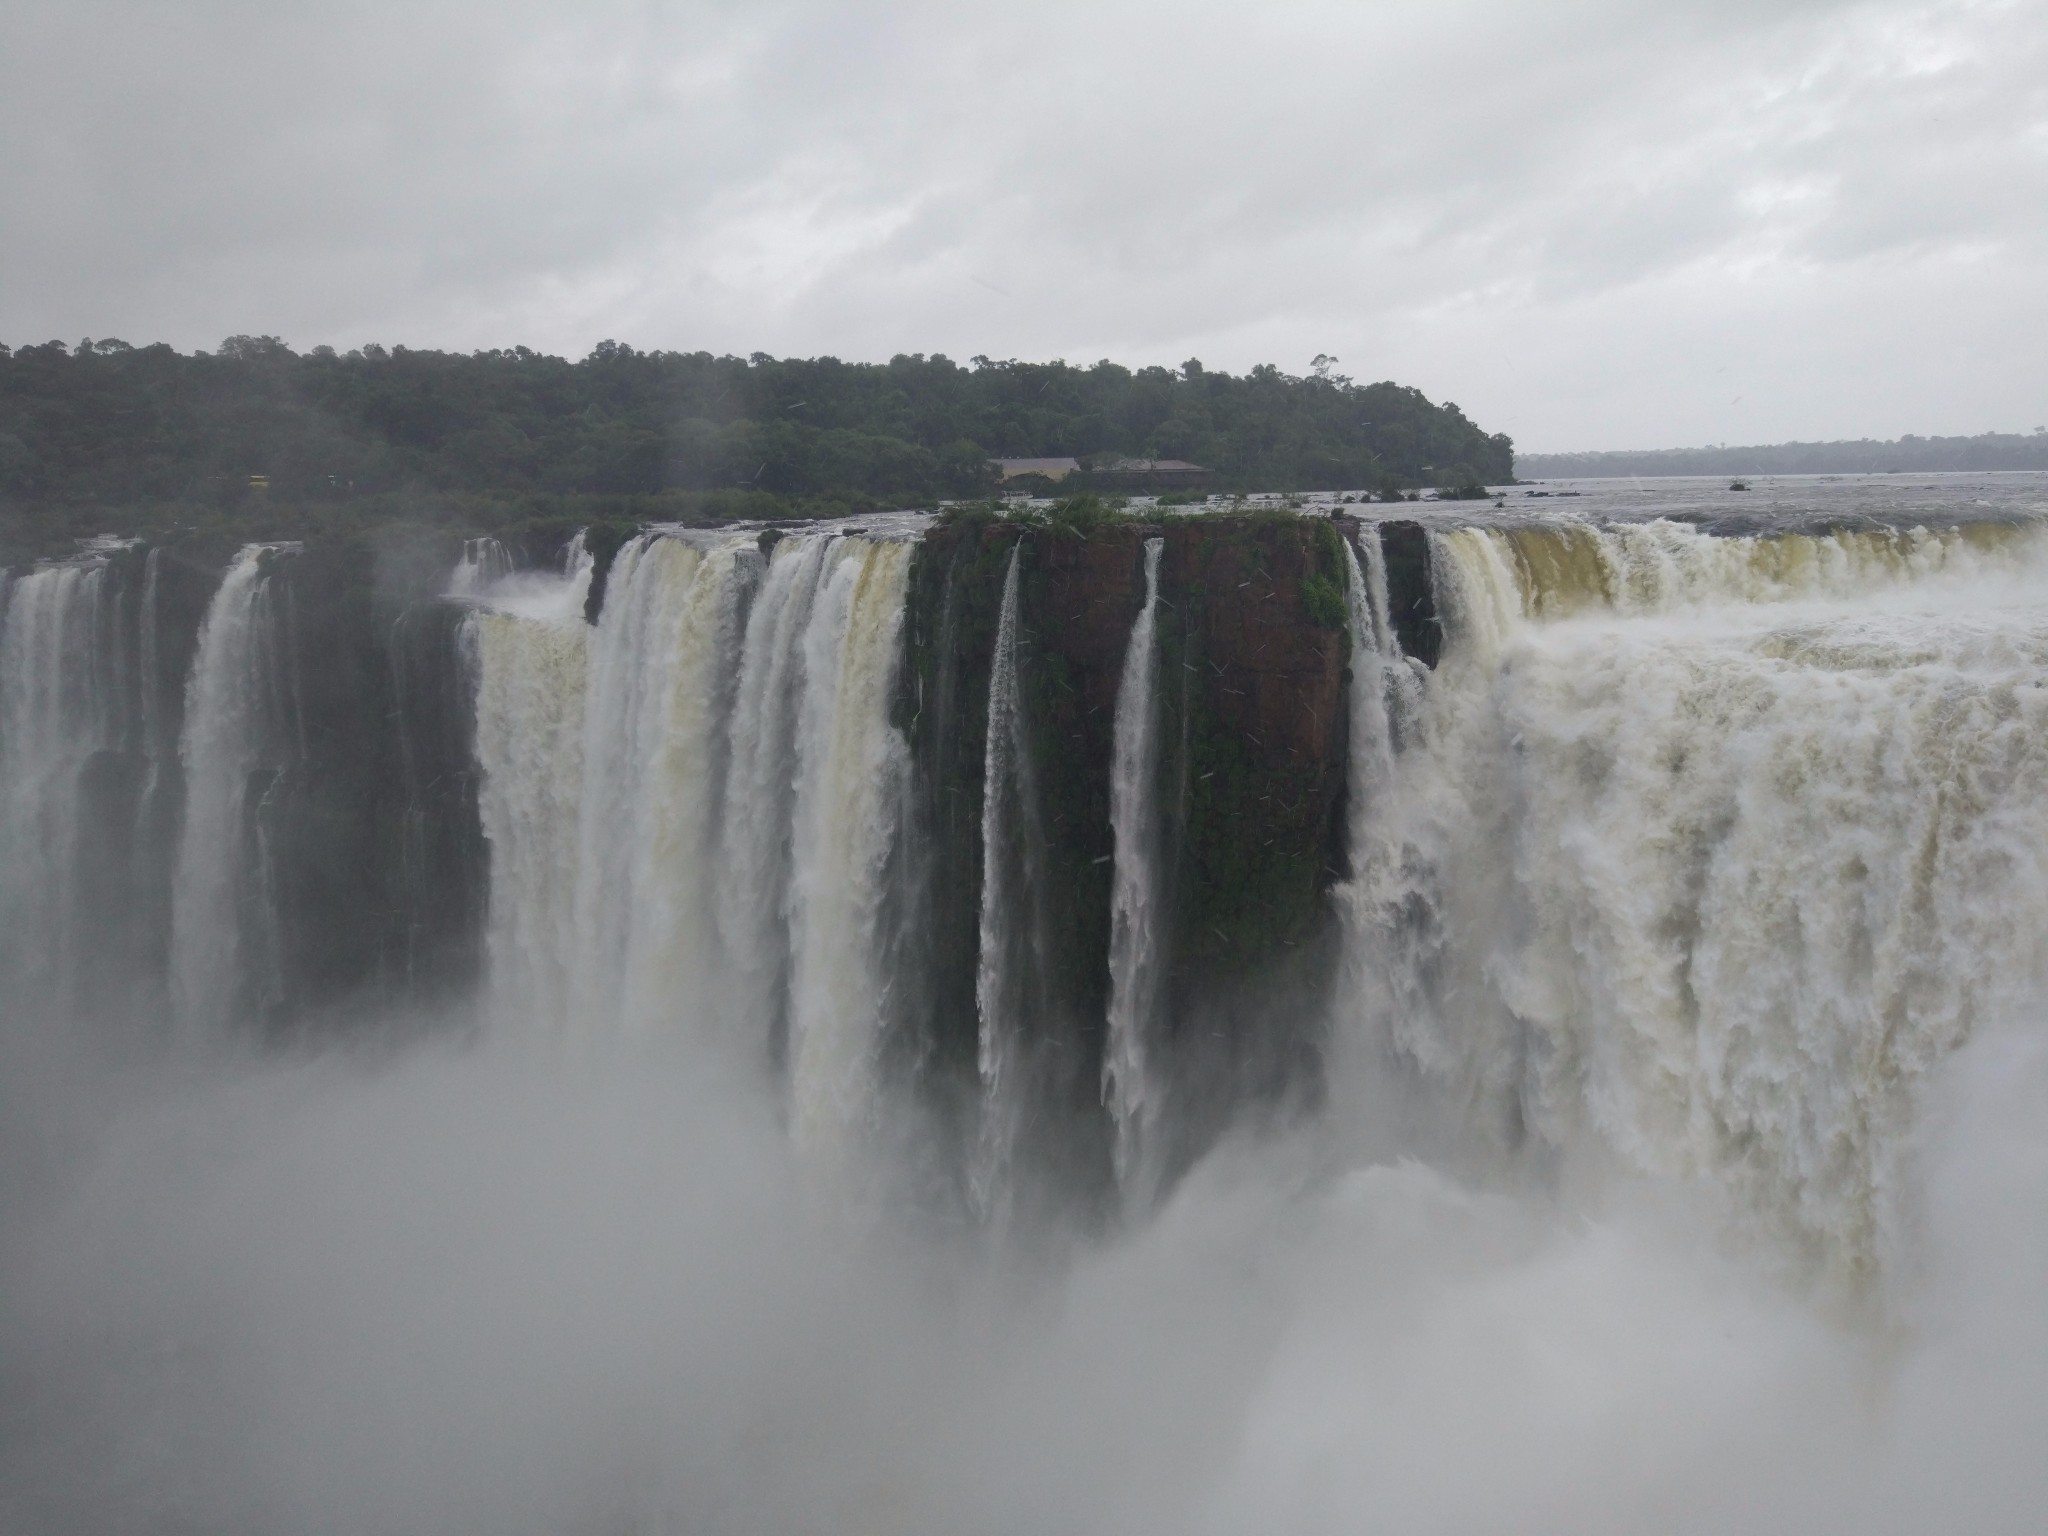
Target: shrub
1322	601
1084	514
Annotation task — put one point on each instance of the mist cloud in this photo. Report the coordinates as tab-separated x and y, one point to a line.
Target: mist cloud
512	1290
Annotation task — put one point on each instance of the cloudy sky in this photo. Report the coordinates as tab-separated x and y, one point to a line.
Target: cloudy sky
1592	223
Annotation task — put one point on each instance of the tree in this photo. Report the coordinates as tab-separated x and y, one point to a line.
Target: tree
109	424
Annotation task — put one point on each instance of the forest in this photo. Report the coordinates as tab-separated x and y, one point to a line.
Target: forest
103	435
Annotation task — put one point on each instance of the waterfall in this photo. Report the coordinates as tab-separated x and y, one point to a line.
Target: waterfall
56	711
603	756
1129	1086
484	564
1385	695
149	626
850	766
689	807
1693	857
1374	655
755	857
661	670
530	651
1388	904
530	685
1002	912
1702	852
576	558
240	719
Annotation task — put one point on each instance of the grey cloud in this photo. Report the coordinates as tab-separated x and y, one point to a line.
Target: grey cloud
1127	179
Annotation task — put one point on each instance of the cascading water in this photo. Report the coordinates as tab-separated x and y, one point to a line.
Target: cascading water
485	563
754	866
1374	655
1674	815
56	710
850	763
1129	1083
532	675
596	746
240	720
996	979
688	807
1707	850
660	672
157	746
1387	904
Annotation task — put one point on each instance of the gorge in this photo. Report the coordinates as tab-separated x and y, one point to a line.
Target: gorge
1467	883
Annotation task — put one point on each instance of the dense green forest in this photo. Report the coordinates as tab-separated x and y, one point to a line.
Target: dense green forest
92	431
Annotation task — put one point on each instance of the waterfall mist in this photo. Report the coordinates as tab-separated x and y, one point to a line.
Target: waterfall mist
1678	1161
487	1290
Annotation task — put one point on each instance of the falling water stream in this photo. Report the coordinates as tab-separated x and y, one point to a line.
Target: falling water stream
849	761
57	711
239	711
758	851
1129	1085
689	805
485	564
1003	911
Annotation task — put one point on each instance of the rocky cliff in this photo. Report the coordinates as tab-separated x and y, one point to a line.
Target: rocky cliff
362	840
1250	676
359	837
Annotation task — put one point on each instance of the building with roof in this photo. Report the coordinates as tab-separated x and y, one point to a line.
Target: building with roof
1033	477
1149	475
1051	469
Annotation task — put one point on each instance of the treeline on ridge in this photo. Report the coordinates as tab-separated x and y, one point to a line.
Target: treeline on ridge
104	425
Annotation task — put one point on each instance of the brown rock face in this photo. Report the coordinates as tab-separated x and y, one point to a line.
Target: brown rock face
1276	677
1085	596
1249	683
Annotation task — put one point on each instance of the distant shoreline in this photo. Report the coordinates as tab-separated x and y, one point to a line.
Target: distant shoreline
1986	453
1766	477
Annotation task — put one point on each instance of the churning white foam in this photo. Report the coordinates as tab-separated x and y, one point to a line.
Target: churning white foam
1708	851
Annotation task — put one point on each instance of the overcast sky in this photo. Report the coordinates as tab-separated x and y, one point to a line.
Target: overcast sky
1592	223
